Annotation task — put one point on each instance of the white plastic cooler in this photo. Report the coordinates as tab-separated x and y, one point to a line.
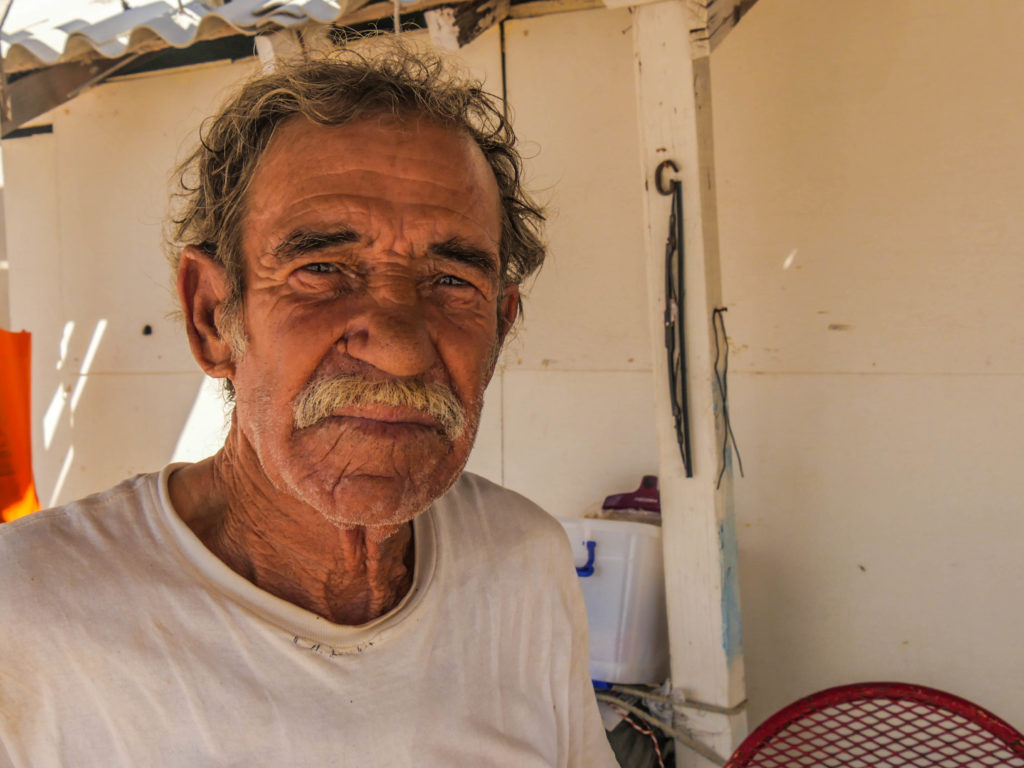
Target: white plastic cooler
620	569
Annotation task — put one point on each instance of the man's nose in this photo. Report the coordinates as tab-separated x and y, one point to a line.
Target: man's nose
392	336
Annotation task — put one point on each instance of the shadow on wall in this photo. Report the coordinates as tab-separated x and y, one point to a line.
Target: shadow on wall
5	312
99	428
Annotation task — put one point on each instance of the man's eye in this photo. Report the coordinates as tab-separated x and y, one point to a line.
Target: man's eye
452	280
320	267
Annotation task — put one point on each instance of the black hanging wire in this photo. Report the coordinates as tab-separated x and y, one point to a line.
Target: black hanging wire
675	336
722	377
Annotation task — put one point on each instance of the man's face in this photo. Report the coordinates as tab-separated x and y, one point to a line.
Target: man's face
371	249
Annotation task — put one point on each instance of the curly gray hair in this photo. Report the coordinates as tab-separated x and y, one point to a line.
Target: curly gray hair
332	90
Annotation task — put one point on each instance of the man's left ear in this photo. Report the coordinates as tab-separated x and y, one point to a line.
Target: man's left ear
508	310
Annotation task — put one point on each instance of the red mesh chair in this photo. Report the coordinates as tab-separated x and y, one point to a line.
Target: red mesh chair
881	725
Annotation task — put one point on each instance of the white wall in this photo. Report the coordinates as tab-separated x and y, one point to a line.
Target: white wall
871	182
576	385
84	207
4	267
86	264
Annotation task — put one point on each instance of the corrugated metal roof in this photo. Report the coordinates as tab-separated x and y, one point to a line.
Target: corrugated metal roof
41	33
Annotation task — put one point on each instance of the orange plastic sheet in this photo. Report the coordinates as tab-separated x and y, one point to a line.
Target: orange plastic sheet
17	488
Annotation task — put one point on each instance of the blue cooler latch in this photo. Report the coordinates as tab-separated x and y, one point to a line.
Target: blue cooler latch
588	569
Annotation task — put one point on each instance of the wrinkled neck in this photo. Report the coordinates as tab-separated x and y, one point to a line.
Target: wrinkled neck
346	574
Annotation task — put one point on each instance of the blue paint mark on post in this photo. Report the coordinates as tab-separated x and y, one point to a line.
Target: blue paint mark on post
728	556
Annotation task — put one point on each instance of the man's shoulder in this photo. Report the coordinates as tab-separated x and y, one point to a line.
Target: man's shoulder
38	545
499	503
488	512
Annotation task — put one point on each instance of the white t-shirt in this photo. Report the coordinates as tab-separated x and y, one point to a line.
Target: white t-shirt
125	642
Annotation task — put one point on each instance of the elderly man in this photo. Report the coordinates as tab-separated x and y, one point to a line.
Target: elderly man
328	589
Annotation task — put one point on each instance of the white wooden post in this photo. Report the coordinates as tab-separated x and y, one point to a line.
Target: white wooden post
674	110
292	43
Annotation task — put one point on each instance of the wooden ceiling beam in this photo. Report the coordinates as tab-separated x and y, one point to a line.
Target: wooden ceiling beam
711	21
453	26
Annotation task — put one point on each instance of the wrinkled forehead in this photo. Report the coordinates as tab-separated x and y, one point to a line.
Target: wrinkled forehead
400	159
394	138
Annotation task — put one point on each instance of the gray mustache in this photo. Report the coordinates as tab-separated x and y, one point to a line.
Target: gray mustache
321	399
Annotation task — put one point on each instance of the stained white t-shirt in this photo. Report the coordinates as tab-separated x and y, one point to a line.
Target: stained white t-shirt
125	642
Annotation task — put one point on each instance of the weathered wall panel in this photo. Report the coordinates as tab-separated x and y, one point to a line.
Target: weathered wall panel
869	171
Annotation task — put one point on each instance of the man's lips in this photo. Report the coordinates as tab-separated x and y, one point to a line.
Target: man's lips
385	418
